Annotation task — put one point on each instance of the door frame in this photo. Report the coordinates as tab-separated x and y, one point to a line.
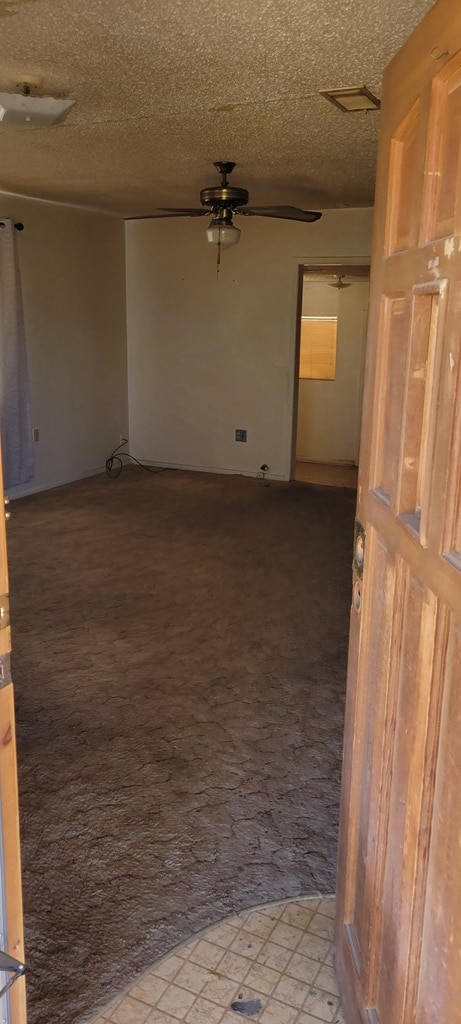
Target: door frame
11	924
311	264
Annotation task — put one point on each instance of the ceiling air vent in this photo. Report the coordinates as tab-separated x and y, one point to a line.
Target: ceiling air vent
350	100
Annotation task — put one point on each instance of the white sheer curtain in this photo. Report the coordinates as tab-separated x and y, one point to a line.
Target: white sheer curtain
15	419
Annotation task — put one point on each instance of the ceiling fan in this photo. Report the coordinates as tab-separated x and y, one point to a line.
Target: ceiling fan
223	201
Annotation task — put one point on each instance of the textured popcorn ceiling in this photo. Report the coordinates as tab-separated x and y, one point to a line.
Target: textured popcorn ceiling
165	87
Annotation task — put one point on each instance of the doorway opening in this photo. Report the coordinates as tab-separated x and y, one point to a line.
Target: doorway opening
329	368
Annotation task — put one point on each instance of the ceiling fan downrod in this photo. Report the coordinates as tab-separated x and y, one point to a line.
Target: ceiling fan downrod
224	196
224	168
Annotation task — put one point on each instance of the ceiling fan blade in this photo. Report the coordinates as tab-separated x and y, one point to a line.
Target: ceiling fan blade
167	212
184	211
284	212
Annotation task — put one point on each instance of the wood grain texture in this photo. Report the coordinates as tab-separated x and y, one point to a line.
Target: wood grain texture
400	806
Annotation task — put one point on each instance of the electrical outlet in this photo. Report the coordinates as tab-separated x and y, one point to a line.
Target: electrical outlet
36	434
240	435
123	439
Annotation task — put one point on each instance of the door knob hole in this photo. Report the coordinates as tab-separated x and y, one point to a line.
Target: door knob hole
359	551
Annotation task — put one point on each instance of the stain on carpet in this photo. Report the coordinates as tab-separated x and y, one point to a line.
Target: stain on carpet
179	661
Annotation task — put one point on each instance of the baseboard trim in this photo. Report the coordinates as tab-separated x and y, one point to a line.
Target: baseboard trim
219	470
321	462
24	490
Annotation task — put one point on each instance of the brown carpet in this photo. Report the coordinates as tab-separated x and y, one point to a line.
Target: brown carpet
179	659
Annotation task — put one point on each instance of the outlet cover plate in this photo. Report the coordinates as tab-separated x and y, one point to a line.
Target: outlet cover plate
240	435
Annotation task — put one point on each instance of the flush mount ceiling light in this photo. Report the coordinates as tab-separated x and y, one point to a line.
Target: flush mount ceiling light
351	100
23	108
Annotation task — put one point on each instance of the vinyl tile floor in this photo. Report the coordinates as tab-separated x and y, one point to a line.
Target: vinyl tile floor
272	965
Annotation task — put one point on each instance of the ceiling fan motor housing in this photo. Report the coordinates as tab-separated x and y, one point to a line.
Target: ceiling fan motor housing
224	197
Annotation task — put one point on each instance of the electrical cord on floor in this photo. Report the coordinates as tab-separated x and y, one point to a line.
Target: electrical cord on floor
115	459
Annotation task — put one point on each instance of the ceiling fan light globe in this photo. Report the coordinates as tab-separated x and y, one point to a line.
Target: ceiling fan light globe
223	234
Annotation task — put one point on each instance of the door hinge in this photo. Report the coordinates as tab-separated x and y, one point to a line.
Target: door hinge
5	670
9	965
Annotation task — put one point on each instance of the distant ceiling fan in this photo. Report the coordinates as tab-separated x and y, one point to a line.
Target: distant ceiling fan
223	201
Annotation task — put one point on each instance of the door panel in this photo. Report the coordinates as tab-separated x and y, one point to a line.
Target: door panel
394	329
398	927
438	995
402	224
441	212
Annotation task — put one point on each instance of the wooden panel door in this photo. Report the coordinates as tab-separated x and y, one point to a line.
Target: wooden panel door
13	1003
398	929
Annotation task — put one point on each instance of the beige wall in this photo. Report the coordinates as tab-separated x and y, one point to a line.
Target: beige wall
73	279
206	356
